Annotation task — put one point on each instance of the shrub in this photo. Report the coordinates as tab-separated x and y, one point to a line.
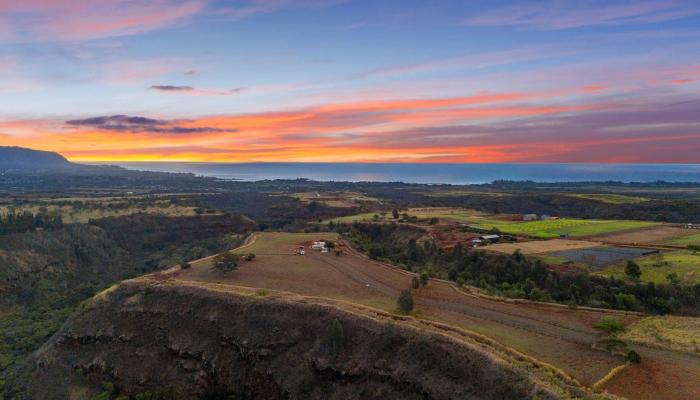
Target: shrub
609	326
336	337
390	338
250	257
415	282
633	357
261	292
632	270
226	262
405	302
424	278
185	265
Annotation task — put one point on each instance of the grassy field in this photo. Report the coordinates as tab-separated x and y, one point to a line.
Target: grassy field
678	333
655	268
610	198
335	199
690	240
463	192
541	246
451	214
82	211
557	227
370	216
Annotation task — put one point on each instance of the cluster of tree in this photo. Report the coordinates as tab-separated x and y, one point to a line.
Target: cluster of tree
19	222
46	273
516	275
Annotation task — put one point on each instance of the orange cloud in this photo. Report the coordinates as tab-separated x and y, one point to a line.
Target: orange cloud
499	127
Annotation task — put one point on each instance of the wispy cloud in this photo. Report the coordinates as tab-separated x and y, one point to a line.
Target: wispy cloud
70	20
189	90
249	8
554	14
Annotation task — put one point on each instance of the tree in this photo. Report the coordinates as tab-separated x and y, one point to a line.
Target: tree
424	277
405	302
415	282
633	357
336	337
632	270
395	213
226	262
609	326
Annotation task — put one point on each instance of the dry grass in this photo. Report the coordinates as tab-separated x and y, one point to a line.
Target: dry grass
677	333
543	246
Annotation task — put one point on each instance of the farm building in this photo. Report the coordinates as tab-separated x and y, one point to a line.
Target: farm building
530	217
490	238
319	245
692	226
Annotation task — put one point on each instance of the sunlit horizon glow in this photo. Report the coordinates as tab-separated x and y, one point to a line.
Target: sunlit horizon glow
352	81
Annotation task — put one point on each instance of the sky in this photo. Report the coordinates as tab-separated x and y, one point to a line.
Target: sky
353	80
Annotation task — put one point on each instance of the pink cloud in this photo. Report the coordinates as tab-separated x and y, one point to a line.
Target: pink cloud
249	8
49	20
552	14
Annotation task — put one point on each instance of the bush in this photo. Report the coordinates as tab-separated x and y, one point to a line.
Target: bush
226	262
250	257
336	337
405	302
424	278
185	265
609	326
633	357
632	270
415	282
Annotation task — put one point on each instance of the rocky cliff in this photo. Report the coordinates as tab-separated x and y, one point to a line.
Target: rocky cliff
210	341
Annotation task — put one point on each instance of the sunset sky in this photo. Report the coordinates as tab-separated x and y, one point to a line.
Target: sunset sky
352	80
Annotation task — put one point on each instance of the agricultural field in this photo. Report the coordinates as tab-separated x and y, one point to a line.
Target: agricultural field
462	192
673	332
598	257
456	215
335	199
81	210
688	240
557	227
657	267
659	234
541	246
610	198
560	336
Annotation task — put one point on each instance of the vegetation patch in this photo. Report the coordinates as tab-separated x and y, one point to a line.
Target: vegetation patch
679	267
673	332
600	256
610	198
563	227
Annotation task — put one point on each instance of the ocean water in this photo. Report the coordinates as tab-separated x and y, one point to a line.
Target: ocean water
433	173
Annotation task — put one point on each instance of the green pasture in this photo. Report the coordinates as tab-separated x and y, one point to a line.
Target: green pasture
657	267
557	227
690	240
610	198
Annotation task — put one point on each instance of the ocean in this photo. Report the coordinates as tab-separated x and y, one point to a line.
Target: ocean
432	173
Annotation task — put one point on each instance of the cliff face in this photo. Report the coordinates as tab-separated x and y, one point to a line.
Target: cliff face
197	342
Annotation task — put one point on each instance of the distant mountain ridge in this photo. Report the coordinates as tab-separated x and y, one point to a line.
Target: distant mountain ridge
29	159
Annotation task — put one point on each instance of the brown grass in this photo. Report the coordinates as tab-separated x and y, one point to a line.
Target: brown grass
542	246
